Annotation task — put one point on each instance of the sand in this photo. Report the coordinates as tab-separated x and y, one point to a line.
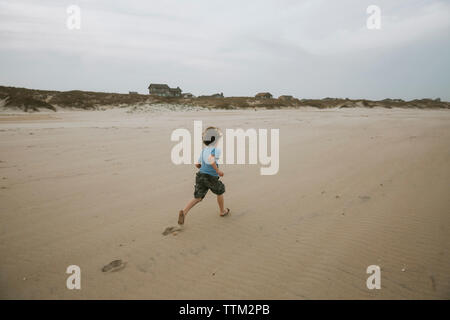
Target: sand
356	187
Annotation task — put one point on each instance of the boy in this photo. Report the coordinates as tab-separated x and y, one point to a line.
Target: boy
207	177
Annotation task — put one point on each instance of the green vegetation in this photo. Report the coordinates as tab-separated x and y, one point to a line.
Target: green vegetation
30	100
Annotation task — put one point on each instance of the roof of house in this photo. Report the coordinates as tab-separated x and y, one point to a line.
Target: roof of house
262	94
158	86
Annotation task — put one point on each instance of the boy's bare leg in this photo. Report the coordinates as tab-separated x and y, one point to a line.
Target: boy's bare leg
220	203
190	204
188	207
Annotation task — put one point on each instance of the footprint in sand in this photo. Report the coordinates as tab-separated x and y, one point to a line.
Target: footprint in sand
173	230
364	198
113	266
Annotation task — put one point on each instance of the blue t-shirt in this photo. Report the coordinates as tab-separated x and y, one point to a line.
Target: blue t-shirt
204	160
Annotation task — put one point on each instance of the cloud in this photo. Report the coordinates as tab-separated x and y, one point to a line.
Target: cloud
233	46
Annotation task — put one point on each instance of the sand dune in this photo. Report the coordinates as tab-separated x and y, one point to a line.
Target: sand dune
356	187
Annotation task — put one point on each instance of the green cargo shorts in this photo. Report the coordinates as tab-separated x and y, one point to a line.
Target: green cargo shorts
205	182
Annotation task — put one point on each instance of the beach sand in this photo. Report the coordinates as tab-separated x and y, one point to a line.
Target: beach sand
355	187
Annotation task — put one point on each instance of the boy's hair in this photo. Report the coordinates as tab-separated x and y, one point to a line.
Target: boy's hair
211	135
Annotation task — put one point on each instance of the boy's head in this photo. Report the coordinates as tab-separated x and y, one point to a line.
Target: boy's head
211	136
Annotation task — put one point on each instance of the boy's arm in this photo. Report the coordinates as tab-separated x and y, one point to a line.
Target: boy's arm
214	165
198	163
212	160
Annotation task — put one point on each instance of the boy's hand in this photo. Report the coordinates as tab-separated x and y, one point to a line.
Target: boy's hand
220	173
198	165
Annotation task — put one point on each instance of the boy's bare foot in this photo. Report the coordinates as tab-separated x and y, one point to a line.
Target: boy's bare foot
225	213
181	217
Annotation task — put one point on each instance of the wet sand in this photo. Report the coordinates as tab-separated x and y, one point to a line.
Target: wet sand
356	187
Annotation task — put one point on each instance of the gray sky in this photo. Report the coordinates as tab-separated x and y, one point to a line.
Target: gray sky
309	48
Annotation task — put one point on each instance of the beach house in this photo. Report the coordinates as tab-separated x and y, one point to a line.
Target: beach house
285	98
263	95
163	90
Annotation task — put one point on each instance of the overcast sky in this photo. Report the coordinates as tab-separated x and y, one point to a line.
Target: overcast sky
309	48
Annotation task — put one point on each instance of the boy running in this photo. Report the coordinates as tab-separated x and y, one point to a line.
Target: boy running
207	178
